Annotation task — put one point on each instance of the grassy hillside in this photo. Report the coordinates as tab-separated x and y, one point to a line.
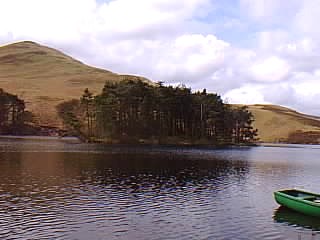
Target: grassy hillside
280	124
44	77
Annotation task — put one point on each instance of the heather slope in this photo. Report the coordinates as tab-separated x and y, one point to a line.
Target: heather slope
44	77
280	124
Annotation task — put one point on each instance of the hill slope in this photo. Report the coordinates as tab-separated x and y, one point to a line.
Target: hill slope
280	124
44	77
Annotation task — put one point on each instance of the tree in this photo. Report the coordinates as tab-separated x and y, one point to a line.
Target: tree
12	113
243	130
134	110
87	101
70	113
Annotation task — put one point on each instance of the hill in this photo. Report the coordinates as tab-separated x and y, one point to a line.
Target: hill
45	77
280	124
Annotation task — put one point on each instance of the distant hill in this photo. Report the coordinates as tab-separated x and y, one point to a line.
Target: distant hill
44	77
280	124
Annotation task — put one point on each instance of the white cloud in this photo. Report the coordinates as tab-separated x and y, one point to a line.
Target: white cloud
270	11
132	16
307	84
307	18
260	8
275	59
303	47
247	94
190	57
271	69
69	20
45	19
267	40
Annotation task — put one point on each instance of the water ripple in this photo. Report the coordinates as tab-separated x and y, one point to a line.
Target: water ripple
141	194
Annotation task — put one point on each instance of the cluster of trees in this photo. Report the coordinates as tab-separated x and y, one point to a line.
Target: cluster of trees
135	110
12	113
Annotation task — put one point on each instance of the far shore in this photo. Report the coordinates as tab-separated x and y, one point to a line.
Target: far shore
117	142
288	145
77	140
42	138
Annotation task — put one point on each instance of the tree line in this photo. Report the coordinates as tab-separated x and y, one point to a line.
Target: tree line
12	113
133	111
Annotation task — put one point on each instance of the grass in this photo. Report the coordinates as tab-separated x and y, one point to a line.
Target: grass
277	124
44	77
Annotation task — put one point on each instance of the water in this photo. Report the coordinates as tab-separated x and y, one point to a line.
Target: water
67	190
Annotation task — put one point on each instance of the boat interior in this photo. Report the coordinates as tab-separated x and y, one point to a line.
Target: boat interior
302	195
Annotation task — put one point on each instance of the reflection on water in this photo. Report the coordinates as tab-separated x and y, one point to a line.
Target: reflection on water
62	190
292	218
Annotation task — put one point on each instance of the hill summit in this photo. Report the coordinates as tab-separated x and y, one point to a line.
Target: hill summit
45	77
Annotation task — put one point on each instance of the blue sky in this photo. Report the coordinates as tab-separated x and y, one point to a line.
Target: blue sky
249	51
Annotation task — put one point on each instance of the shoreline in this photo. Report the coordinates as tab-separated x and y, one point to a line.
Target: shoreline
286	145
146	143
119	143
43	138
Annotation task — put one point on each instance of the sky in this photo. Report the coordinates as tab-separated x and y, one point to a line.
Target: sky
248	51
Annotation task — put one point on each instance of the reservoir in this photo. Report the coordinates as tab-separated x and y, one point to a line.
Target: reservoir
55	189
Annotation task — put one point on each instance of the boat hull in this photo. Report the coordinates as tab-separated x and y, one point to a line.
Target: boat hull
300	201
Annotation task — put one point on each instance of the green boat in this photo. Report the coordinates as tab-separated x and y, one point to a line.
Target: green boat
301	201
